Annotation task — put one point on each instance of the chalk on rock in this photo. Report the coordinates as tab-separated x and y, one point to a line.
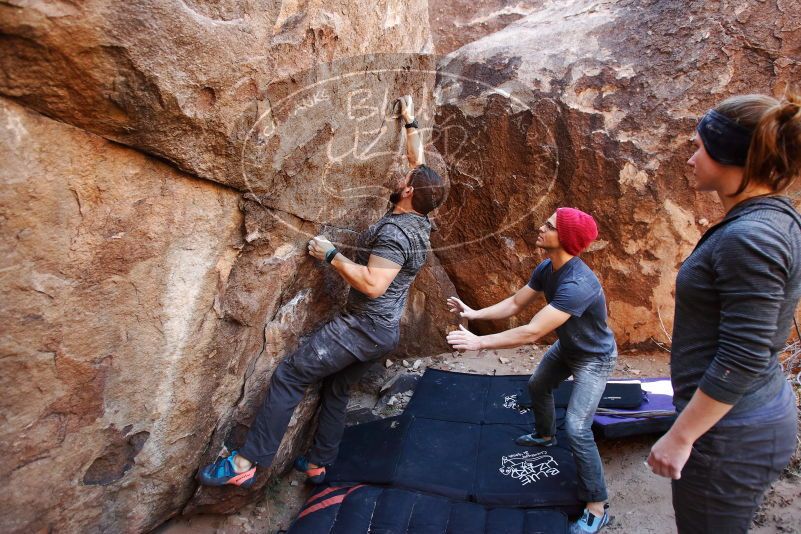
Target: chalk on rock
503	360
389	363
417	364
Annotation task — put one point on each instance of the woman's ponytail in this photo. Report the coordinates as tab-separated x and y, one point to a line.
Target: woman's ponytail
774	156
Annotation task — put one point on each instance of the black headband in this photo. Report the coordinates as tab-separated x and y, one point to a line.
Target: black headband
725	141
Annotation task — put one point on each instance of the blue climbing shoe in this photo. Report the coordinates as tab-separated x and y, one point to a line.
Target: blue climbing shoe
222	472
314	475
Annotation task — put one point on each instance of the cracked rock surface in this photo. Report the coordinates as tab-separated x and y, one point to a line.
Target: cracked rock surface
164	165
592	105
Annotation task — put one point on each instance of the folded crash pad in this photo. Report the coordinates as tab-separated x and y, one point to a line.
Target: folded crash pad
655	415
627	395
363	509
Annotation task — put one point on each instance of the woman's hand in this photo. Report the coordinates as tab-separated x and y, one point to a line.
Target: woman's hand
668	456
319	246
457	306
464	339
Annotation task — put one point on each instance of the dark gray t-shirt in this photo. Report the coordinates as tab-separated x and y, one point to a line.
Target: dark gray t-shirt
402	239
575	289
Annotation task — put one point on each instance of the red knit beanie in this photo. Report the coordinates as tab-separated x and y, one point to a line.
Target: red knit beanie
576	230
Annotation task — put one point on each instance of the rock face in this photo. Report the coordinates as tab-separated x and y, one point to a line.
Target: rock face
150	298
165	163
187	80
111	264
592	105
455	23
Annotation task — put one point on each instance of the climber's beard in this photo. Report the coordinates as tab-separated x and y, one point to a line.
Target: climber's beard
395	197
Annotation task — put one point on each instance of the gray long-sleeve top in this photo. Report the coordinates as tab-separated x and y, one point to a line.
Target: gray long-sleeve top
735	299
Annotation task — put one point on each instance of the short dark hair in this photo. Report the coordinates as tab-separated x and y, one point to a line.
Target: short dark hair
429	189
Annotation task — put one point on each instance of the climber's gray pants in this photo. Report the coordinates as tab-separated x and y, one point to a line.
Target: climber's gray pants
340	352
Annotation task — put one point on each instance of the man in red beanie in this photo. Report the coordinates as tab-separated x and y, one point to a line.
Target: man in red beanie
585	348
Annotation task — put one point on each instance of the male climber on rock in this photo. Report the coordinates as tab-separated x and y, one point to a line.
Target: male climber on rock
586	349
388	256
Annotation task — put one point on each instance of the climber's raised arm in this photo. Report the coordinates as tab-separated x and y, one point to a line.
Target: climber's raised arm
414	138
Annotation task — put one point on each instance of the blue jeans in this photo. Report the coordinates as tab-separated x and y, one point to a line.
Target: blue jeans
590	373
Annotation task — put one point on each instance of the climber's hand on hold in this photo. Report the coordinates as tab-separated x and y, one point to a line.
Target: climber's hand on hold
406	108
319	246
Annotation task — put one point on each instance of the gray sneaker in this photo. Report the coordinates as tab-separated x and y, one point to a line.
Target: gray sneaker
534	440
588	522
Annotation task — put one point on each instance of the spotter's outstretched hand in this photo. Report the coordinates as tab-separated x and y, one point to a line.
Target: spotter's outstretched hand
464	339
457	306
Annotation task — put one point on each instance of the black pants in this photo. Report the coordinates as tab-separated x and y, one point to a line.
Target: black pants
727	474
340	352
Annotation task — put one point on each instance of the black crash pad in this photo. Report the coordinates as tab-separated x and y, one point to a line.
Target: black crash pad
456	440
363	509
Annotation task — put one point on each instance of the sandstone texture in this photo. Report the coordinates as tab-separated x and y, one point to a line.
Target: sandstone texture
164	165
111	262
592	105
455	23
187	80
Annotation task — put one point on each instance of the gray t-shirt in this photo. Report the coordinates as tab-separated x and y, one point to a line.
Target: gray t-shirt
402	239
575	289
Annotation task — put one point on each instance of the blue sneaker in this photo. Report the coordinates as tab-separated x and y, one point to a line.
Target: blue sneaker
534	440
222	472
589	522
314	475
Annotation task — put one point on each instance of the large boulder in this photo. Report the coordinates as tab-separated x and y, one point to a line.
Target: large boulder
148	300
111	371
592	105
187	80
454	23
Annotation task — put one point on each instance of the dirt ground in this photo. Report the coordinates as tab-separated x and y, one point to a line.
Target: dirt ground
640	501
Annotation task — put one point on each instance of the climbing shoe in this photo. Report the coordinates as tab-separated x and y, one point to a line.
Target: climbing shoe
314	475
222	472
534	440
589	522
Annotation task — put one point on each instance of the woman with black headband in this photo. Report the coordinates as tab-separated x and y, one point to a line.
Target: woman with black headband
736	296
